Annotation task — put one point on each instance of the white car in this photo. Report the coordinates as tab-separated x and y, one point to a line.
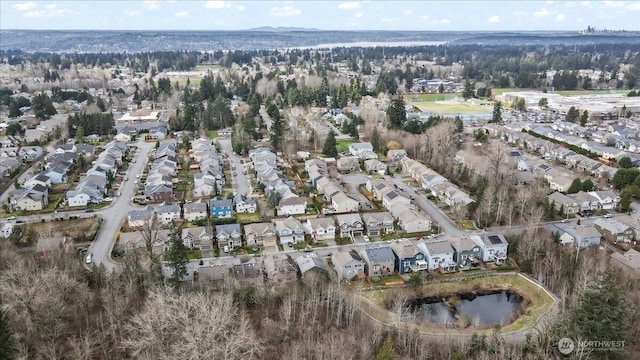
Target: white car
365	238
89	258
607	216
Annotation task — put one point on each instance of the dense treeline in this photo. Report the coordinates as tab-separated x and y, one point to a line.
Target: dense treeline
100	124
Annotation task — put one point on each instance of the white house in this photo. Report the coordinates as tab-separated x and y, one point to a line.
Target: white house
358	148
323	228
342	203
194	211
439	254
290	230
77	198
167	213
494	247
245	205
292	206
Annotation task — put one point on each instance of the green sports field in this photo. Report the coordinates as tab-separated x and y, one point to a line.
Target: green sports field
450	108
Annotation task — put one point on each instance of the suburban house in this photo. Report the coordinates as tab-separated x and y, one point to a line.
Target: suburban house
290	230
363	150
581	236
608	199
375	166
260	234
158	193
311	262
348	163
195	210
408	257
167	213
322	228
429	180
378	223
564	202
396	155
83	197
280	269
40	179
57	175
341	203
204	185
35	198
195	237
350	225
140	218
292	206
221	208
348	264
614	230
379	260
629	260
245	205
391	197
467	252
439	254
412	221
493	246
229	235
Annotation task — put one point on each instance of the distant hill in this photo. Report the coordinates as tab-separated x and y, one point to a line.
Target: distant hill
281	29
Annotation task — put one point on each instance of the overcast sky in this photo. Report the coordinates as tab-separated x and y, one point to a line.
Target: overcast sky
326	15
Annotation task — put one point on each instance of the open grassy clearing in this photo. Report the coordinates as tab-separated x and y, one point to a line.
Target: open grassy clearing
500	91
431	97
448	108
539	302
591	92
343	145
212	134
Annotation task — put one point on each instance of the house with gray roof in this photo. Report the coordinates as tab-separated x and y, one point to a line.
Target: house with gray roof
229	235
311	262
439	254
350	225
379	260
168	212
378	223
408	258
493	246
614	230
467	253
348	264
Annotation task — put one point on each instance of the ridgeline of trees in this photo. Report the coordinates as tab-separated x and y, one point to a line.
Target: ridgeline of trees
100	124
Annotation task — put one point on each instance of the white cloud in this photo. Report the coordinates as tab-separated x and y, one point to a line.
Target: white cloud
282	11
151	5
131	12
240	7
49	13
24	6
494	19
634	7
444	21
586	4
560	17
216	4
349	5
358	15
408	12
614	4
425	17
542	13
182	13
51	6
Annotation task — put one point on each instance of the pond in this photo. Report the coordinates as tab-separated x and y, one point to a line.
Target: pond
462	310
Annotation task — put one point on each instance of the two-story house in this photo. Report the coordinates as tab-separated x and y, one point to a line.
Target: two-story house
221	208
260	234
229	235
493	246
167	213
195	237
348	264
379	260
408	258
467	253
378	223
290	230
245	205
195	211
350	225
322	228
292	206
439	255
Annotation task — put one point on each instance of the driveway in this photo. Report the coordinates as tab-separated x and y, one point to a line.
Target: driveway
240	181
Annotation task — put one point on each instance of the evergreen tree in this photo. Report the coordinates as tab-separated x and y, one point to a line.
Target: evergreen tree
497	112
278	128
14	110
6	341
79	135
375	139
576	186
543	103
603	313
330	148
625	162
588	185
176	259
396	114
572	115
469	90
584	118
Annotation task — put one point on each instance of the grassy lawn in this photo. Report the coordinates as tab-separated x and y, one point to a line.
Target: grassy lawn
212	134
248	218
452	108
343	145
465	225
500	91
194	254
538	300
431	97
591	92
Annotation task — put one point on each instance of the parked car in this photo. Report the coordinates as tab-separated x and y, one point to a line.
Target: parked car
226	249
11	218
365	238
308	249
89	210
564	221
607	216
89	258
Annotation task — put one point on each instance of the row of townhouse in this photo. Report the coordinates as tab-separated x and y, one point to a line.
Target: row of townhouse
622	229
162	175
404	256
332	193
210	180
553	151
584	202
93	186
399	206
267	173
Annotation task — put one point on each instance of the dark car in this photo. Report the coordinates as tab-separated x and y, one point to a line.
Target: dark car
89	210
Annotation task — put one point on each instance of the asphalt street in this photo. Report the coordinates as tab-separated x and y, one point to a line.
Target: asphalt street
240	180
